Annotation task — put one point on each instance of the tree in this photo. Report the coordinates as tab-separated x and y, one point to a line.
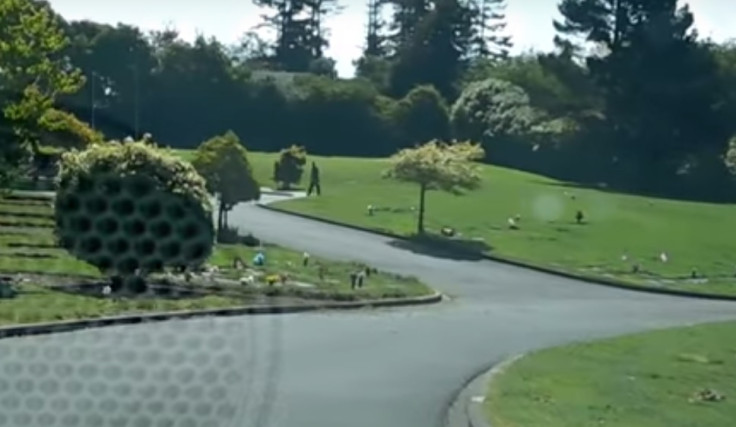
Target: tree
489	23
432	47
492	108
301	36
223	162
375	40
33	72
663	95
61	129
437	166
422	115
289	168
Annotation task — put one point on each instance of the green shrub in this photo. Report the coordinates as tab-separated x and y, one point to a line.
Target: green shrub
289	168
492	108
64	130
132	209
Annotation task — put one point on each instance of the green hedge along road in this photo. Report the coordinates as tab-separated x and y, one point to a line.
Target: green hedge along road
393	367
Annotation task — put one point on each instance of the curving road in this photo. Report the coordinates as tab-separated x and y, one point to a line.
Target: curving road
392	367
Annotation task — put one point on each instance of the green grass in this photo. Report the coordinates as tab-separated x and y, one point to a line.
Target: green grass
27	245
36	304
646	380
694	235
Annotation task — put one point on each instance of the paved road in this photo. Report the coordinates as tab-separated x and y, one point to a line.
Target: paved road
393	367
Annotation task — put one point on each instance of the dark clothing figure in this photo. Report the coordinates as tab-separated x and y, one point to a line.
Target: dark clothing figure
314	181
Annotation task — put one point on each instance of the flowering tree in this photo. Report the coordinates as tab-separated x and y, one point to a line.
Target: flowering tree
437	166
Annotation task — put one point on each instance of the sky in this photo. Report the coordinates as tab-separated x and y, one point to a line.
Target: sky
529	21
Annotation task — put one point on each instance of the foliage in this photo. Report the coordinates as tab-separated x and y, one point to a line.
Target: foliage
354	109
489	25
63	130
223	162
492	108
132	209
554	82
648	108
730	157
299	42
289	168
422	115
374	69
32	75
437	166
432	46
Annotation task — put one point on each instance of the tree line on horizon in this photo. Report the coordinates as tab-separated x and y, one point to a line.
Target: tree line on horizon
632	96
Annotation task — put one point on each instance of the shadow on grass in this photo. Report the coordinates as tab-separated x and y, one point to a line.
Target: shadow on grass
441	247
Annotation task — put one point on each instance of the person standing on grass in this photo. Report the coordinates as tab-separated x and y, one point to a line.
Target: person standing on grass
314	181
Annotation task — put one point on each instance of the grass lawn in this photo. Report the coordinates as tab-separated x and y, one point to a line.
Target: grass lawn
654	379
36	304
693	235
28	248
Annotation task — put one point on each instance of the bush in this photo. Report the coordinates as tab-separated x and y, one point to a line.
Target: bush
492	108
289	168
63	130
422	116
730	157
132	209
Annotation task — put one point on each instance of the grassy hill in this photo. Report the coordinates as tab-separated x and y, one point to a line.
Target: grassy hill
619	230
668	378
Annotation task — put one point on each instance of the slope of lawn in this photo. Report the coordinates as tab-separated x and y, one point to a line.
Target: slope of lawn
619	230
671	378
28	251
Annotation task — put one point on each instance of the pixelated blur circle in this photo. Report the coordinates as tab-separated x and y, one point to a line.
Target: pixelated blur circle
144	375
140	227
177	373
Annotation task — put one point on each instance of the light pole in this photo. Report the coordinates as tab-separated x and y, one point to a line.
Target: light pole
95	105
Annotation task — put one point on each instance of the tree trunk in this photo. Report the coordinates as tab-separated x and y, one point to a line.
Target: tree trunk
420	220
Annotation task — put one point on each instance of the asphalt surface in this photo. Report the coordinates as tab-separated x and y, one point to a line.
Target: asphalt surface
390	367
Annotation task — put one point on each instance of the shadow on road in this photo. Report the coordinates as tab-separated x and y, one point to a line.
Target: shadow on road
441	247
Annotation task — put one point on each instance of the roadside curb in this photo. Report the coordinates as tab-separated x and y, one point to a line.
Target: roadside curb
466	409
73	325
595	280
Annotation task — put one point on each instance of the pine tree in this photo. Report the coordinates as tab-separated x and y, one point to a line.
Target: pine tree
406	18
375	41
301	36
489	24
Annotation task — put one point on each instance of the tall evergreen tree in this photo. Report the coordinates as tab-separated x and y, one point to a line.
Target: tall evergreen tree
375	41
301	34
489	25
436	50
406	18
659	83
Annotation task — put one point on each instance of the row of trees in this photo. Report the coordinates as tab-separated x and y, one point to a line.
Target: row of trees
184	92
642	102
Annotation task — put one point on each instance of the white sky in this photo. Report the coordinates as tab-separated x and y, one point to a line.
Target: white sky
529	21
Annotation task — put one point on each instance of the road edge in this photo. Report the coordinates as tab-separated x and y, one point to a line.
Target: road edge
466	410
73	325
548	270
